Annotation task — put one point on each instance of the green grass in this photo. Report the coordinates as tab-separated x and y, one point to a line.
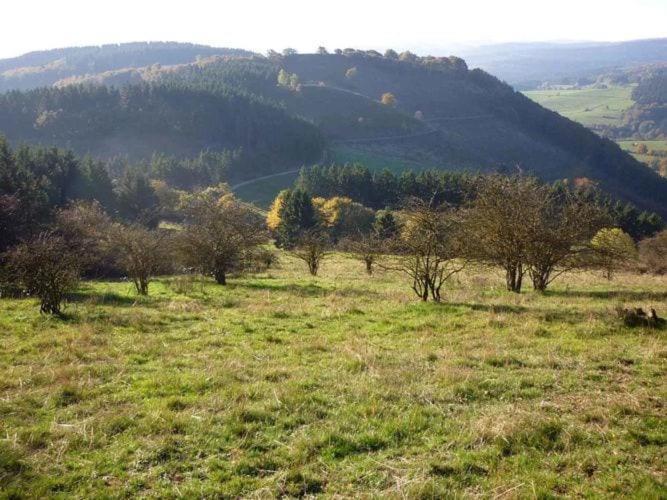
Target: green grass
382	156
588	106
631	147
340	385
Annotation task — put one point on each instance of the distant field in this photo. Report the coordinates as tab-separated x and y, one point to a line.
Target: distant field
587	106
281	385
659	148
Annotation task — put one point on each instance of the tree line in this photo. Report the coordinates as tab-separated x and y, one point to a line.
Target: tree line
63	219
529	229
384	189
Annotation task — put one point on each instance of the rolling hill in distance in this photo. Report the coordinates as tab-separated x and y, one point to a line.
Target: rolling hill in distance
284	111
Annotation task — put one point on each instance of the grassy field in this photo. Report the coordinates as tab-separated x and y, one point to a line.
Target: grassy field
341	385
631	146
587	106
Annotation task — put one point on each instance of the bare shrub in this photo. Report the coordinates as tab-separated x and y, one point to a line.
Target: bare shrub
312	247
222	235
45	267
140	252
429	248
653	253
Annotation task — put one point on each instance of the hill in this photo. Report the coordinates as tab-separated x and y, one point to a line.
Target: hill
44	68
531	65
435	113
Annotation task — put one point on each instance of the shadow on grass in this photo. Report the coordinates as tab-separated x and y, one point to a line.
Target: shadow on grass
111	299
304	290
608	294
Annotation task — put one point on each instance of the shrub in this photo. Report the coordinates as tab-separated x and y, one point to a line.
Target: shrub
46	268
140	252
653	253
221	234
312	247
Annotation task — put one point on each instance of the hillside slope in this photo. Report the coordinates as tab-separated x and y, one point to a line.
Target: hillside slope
441	114
483	124
44	68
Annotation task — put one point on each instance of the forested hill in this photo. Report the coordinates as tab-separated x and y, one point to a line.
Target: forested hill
43	68
386	109
137	121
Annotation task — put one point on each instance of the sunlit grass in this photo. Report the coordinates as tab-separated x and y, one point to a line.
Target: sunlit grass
282	384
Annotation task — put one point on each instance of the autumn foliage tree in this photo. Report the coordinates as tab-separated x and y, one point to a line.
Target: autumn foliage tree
388	99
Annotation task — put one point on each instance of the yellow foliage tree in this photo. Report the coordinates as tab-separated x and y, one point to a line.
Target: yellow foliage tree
273	217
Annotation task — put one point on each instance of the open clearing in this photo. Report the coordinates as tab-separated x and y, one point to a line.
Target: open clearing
280	384
659	147
587	106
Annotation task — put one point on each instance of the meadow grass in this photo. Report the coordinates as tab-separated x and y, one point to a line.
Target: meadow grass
588	106
342	385
631	146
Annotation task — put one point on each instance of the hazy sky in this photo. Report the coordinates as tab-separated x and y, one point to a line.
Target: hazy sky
304	24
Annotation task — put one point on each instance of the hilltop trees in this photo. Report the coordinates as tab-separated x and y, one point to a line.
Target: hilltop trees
388	99
221	234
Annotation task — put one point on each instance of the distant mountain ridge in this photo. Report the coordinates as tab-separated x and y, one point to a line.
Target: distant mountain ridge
45	68
528	65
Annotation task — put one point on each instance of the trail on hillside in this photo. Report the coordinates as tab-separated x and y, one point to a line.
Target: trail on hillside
264	177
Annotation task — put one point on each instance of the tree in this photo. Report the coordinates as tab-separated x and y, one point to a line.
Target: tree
388	99
45	267
391	54
283	78
653	253
322	50
289	52
497	221
85	227
311	246
385	225
429	248
613	249
366	247
351	73
221	234
642	149
140	251
408	56
343	217
558	228
297	215
137	200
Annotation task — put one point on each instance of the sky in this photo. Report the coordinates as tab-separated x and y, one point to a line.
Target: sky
420	25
